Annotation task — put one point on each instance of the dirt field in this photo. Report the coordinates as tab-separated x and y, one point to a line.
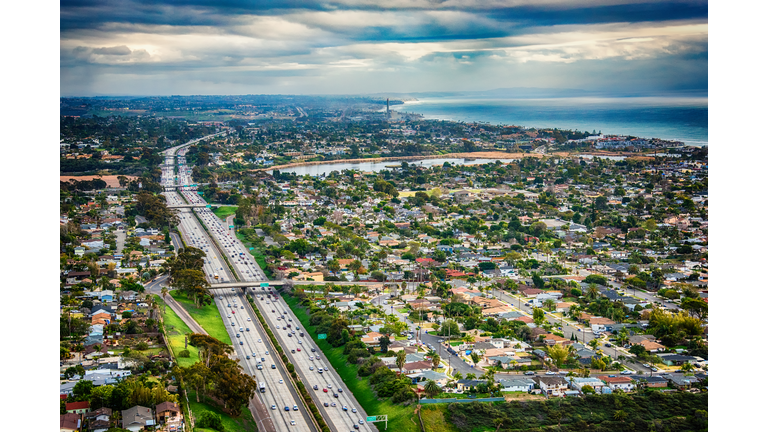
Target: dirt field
111	180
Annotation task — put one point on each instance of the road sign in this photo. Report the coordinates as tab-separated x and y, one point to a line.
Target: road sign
322	336
231	226
264	284
208	206
250	248
370	418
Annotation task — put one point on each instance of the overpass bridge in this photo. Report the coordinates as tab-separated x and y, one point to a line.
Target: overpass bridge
282	282
187	206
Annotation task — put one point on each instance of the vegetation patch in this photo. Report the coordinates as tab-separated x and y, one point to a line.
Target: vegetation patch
224	211
207	316
175	332
242	423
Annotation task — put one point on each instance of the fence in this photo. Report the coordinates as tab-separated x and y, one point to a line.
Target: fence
450	400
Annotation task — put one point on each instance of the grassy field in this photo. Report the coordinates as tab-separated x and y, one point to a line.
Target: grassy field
244	423
207	316
224	211
435	420
175	329
401	418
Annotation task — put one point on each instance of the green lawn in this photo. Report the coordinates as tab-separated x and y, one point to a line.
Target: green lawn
244	423
224	211
401	418
404	310
175	329
207	316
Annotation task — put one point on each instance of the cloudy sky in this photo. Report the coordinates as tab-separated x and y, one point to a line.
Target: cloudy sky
143	47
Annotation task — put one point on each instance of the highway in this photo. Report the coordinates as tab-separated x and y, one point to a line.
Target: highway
247	270
251	345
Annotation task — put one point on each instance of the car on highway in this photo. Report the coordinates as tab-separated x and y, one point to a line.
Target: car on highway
315	387
356	426
344	407
274	407
293	422
325	404
273	367
626	372
325	390
281	381
336	395
287	409
298	349
333	404
354	410
530	373
295	408
241	342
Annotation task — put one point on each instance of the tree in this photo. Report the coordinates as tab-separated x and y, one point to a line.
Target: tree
592	292
334	266
384	343
435	357
558	353
620	415
550	304
686	367
432	389
449	327
400	360
596	279
538	316
475	358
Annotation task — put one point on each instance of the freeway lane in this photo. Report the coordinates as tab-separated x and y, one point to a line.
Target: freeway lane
253	340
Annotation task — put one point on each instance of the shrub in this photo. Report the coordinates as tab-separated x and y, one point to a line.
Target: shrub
141	346
209	420
184	353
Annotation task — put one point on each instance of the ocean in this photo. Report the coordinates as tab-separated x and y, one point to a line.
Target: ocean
672	118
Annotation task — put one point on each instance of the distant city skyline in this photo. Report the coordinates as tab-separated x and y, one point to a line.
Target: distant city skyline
137	47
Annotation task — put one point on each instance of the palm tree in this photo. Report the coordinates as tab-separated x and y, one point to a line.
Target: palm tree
550	304
435	357
431	388
400	360
592	291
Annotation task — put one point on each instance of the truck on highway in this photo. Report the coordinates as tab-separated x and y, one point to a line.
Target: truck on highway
215	275
262	387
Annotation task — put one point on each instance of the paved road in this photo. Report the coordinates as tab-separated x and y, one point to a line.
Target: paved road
120	240
247	270
156	286
268	407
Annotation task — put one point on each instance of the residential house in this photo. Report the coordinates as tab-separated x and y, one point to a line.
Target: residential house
137	418
78	407
438	377
624	383
70	422
650	381
516	385
552	385
465	384
578	383
682	382
168	413
417	367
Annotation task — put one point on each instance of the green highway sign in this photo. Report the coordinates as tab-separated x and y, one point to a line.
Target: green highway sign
208	206
231	226
322	336
370	418
264	284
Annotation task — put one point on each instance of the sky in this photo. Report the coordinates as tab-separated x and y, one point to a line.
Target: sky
174	47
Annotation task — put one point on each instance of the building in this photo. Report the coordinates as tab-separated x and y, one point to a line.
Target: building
137	418
552	385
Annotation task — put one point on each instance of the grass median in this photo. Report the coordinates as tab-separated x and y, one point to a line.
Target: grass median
207	316
175	331
401	418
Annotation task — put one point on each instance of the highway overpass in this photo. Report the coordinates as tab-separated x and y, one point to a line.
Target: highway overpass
282	282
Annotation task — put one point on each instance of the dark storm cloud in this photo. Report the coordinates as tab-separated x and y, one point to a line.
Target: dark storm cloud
235	46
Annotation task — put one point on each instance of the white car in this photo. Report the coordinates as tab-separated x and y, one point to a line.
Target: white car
281	381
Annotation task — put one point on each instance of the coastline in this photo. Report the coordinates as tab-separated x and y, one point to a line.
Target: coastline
472	155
